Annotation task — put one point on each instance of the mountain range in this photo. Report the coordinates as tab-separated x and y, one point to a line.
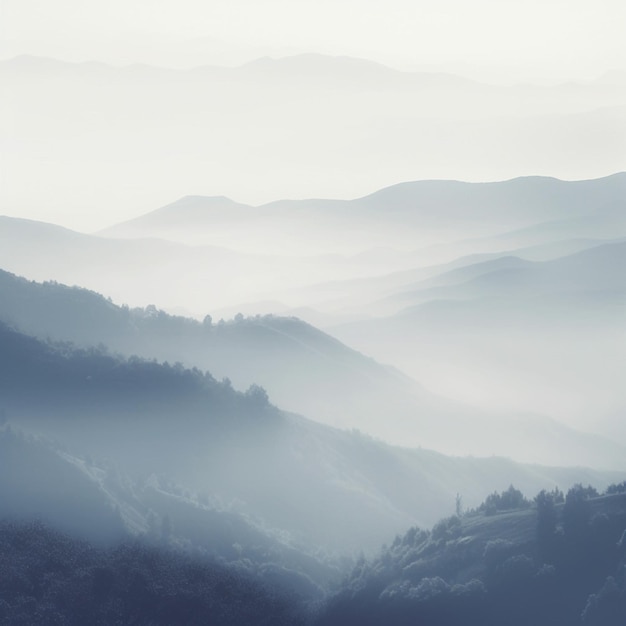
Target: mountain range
467	348
195	131
317	485
303	369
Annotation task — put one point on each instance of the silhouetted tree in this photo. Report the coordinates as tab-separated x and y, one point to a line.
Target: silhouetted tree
546	522
576	511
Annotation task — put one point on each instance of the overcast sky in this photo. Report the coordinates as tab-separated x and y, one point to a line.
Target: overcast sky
544	40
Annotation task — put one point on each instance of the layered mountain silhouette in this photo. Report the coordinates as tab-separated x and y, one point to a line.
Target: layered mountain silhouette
449	206
373	125
303	369
322	486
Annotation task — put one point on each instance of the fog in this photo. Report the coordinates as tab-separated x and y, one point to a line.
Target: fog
491	301
312	315
329	127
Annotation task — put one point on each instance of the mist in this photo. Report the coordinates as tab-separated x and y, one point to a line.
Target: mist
194	132
312	315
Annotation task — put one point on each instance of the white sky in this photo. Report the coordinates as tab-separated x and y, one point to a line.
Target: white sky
524	40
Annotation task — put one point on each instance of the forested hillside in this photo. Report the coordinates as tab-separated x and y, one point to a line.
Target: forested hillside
51	578
321	486
303	370
557	561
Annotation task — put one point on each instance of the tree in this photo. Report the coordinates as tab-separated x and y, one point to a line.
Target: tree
258	396
576	511
546	522
458	505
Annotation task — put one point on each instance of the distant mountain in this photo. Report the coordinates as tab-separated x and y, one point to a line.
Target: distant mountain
280	251
546	336
191	212
284	128
589	278
407	208
375	296
149	270
532	199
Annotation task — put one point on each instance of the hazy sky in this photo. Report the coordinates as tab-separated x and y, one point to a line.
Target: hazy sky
93	156
507	39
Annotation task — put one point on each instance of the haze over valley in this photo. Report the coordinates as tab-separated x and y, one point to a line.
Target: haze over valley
313	314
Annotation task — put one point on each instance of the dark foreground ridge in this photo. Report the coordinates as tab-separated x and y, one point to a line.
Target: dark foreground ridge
559	561
49	578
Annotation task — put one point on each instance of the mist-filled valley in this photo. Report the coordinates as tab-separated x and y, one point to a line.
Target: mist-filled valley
264	450
312	313
504	297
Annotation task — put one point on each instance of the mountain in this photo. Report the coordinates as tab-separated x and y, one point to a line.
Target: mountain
237	253
314	485
196	131
587	275
406	209
136	271
341	301
531	199
184	216
303	369
98	501
546	336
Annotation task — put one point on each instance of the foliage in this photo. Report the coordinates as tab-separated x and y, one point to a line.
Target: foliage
448	528
49	578
616	488
607	607
510	500
494	570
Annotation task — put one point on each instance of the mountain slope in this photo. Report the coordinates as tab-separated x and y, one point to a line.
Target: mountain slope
51	578
317	485
547	336
303	370
553	564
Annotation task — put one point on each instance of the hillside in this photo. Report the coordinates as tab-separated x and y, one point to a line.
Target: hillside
303	370
50	578
546	336
584	276
551	563
315	485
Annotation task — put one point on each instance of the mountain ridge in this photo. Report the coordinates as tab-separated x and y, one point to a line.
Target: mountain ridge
303	369
527	191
